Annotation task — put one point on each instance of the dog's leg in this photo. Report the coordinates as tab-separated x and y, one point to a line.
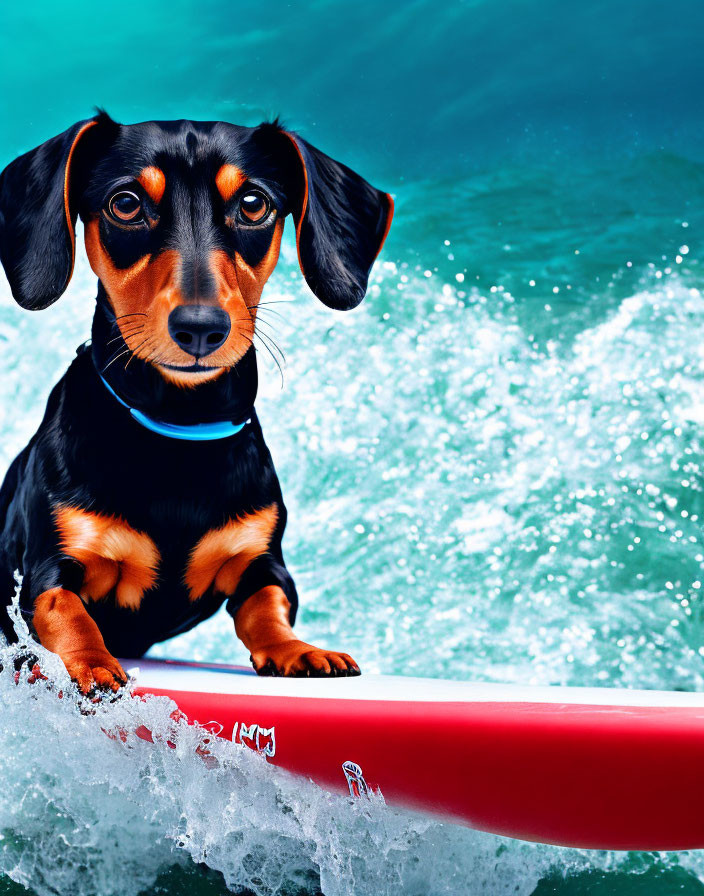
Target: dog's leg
64	627
262	624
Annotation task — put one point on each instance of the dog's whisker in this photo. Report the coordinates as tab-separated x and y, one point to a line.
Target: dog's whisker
272	302
272	311
275	359
269	324
259	320
160	359
126	336
154	356
272	342
256	312
121	352
134	351
118	351
136	333
115	326
153	350
116	358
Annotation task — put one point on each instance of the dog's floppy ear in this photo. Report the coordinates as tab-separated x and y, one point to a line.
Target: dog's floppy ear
38	216
341	224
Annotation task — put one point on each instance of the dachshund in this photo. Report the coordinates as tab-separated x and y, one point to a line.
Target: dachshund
147	497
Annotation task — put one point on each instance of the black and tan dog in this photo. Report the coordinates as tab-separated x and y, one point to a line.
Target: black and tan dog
148	497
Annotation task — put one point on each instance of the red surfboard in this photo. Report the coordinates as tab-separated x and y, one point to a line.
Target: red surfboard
586	767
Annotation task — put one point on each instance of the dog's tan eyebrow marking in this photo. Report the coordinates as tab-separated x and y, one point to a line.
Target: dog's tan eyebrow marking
228	180
153	181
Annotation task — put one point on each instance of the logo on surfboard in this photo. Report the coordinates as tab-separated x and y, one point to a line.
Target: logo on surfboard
355	779
261	740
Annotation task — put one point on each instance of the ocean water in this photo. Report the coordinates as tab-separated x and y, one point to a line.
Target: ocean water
492	467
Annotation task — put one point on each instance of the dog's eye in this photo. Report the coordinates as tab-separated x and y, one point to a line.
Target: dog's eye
254	207
125	207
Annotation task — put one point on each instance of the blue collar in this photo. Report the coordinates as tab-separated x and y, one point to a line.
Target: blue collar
196	432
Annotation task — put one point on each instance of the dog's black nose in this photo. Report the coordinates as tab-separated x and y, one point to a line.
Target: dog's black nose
199	329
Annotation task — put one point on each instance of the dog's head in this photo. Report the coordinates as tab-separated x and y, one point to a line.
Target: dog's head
183	222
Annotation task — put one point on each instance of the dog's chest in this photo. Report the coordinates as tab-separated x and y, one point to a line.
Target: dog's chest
128	562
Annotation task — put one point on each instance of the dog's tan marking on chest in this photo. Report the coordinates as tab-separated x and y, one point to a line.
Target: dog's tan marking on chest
222	555
114	555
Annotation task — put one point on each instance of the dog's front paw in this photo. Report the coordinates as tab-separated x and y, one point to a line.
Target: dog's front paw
303	660
94	667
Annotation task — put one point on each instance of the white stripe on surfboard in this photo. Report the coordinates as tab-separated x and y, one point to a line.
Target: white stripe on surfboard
209	679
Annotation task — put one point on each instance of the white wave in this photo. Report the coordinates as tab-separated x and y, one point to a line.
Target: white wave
96	815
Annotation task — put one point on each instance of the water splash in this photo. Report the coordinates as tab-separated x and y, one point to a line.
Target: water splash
87	813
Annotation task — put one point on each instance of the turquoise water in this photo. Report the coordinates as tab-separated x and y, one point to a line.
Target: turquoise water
492	467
